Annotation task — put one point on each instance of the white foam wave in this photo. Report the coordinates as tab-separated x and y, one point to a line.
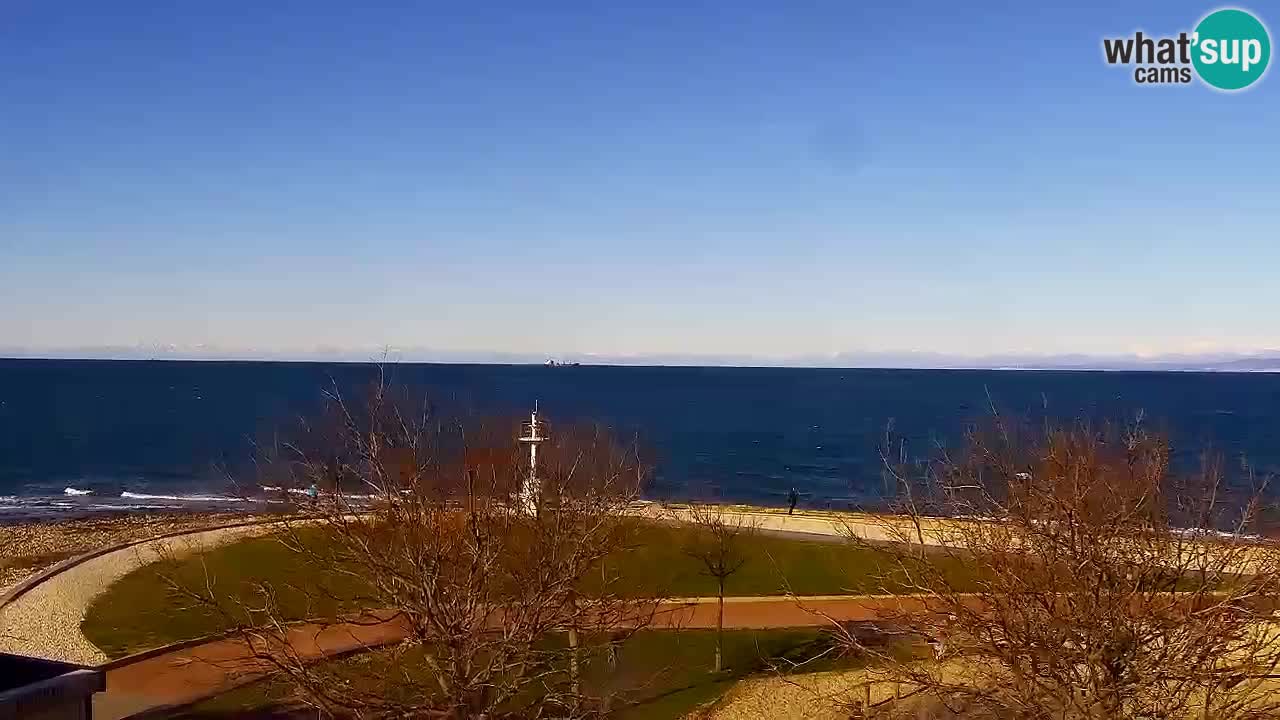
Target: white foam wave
181	498
1200	532
325	493
76	491
20	501
107	507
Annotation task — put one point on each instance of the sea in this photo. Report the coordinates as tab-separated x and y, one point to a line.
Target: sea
79	437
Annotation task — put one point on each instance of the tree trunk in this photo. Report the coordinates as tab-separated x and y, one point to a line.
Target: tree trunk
574	678
573	661
720	629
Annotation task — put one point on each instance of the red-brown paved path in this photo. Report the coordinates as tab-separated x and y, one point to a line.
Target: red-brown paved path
183	676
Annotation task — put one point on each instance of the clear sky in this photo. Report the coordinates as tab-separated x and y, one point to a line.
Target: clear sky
747	177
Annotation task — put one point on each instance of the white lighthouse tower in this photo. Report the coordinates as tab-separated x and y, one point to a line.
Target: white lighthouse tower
532	434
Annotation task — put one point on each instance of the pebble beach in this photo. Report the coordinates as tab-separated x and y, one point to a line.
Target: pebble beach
29	547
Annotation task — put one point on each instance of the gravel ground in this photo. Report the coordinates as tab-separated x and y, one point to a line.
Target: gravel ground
823	696
816	696
45	622
28	548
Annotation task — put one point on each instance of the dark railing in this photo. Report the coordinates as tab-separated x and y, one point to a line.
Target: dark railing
32	687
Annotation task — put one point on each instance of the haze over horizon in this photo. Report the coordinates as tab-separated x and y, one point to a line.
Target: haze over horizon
1263	360
756	182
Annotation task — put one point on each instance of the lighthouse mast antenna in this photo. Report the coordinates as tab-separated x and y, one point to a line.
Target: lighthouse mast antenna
532	435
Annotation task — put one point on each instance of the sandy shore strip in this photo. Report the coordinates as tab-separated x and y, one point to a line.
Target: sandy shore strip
841	524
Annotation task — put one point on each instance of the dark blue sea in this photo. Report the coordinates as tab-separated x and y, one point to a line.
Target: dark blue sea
84	436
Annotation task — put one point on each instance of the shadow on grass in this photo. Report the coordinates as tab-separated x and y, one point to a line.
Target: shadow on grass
658	675
142	610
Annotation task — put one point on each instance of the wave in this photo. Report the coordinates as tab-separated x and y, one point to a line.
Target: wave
23	503
181	498
76	491
329	494
107	507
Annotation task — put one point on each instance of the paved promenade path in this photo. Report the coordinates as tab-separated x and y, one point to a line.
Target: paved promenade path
186	675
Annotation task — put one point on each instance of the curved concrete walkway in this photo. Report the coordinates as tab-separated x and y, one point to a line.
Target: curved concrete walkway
43	619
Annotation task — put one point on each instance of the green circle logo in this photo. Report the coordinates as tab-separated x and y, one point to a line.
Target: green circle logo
1232	49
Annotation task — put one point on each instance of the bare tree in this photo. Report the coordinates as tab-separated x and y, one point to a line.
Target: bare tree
418	542
717	543
1103	585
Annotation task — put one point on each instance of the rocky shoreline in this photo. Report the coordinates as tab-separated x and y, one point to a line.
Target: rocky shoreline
30	547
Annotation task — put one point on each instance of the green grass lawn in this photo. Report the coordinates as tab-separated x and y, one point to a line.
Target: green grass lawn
657	675
147	608
774	565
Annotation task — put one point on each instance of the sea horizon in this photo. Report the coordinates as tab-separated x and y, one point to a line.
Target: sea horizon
101	434
1159	366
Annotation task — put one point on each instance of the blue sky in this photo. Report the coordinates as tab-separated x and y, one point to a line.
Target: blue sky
709	178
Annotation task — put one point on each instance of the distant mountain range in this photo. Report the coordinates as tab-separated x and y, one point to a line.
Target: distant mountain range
1263	361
